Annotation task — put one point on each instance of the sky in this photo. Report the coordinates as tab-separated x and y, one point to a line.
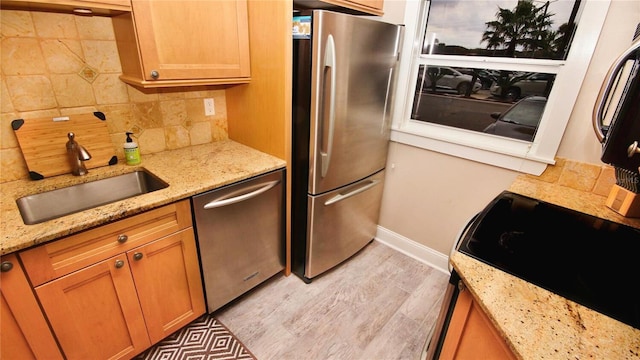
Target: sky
462	22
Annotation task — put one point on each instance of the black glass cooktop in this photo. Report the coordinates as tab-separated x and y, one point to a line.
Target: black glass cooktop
589	260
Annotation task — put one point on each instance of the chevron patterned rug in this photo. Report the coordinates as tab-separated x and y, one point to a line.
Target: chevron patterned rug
205	338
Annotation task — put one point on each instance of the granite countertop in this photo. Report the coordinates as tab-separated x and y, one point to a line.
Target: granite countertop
536	323
188	171
585	202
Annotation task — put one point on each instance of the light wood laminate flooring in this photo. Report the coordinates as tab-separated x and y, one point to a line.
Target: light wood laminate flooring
378	305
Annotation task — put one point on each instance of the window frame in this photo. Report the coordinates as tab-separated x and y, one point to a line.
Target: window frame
528	157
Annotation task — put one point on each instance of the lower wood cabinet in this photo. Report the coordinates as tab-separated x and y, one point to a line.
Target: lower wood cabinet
472	335
24	330
95	312
167	277
120	305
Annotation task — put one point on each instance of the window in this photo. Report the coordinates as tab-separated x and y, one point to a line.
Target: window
494	81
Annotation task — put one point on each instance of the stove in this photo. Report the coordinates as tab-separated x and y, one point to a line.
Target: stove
589	260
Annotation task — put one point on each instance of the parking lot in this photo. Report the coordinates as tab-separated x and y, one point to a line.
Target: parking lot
457	111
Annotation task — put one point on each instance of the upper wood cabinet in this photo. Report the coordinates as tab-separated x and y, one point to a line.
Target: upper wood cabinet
373	7
25	333
181	43
98	7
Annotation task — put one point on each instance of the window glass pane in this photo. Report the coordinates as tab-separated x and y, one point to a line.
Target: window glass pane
501	28
446	96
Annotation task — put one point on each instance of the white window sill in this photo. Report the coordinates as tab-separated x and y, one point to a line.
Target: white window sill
493	150
527	157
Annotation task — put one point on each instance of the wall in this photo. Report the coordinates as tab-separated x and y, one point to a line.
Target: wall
429	196
63	64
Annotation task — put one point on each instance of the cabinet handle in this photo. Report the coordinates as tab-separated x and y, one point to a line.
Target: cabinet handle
137	256
119	264
6	266
155	74
122	238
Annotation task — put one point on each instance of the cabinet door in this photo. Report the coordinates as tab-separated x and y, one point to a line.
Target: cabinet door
471	335
25	333
64	256
373	7
374	4
167	278
102	7
95	313
107	3
192	39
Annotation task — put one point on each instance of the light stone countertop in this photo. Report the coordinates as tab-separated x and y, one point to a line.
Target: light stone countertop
188	171
585	202
536	323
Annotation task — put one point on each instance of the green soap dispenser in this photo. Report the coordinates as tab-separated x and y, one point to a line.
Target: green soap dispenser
131	151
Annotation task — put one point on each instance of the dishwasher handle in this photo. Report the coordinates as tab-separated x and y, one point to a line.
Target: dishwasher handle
228	201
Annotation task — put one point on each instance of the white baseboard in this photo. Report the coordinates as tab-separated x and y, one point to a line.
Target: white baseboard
424	254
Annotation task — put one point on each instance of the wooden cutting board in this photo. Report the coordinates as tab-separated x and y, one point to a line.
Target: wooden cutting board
43	142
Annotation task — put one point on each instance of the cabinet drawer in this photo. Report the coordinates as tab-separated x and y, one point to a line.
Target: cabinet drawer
61	257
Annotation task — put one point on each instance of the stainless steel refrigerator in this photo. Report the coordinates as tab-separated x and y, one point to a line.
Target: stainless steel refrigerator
344	71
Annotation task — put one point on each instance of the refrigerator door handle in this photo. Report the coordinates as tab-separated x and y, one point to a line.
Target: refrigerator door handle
236	199
340	197
329	65
386	103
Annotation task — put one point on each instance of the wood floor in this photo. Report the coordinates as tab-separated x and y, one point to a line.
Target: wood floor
379	305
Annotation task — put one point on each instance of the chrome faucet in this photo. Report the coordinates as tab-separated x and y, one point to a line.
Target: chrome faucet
77	155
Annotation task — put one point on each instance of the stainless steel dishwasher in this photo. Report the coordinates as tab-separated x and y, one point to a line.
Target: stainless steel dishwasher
240	231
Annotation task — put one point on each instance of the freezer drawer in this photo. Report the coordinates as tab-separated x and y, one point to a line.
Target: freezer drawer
240	231
342	222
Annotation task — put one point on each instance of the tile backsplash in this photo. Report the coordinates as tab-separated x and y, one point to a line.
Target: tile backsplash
591	178
62	64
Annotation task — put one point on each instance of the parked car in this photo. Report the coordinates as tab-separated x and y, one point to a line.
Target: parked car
534	84
520	121
486	77
447	79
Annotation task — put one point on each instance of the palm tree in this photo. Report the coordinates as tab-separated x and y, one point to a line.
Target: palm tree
493	38
563	37
524	27
434	75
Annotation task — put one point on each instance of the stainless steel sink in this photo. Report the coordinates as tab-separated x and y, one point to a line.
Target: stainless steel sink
53	204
